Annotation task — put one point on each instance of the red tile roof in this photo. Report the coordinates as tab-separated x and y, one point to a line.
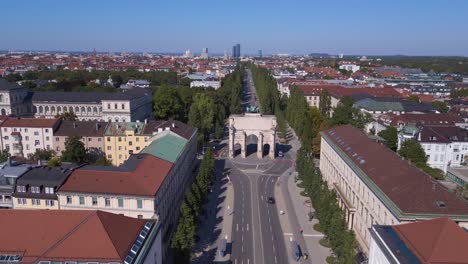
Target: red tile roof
436	241
428	119
30	122
144	177
410	189
56	235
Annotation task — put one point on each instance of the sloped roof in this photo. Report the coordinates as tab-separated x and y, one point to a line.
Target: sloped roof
55	235
141	174
30	122
168	147
410	189
6	85
436	241
82	128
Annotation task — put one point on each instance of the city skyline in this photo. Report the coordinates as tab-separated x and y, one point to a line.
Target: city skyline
367	28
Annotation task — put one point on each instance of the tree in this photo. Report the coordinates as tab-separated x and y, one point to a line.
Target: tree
167	104
103	161
117	80
54	162
325	104
346	113
440	106
391	137
67	116
412	151
74	150
4	155
413	98
201	114
43	154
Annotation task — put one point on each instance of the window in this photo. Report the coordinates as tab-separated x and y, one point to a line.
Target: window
120	201
36	142
57	148
47	138
120	147
36	133
69	199
50	202
35	189
48	147
109	148
36	202
47	130
115	106
7	146
81	200
21	188
90	139
49	190
137	139
26	137
94	199
108	106
5	137
137	148
99	139
21	201
108	139
140	216
120	139
139	204
107	202
130	143
123	106
57	139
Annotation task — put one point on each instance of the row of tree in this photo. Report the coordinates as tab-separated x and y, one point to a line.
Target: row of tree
205	109
330	215
271	102
192	208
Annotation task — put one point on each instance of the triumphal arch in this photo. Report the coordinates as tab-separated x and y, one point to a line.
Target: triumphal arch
252	127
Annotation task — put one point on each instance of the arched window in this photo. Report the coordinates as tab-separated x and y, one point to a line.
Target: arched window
95	110
46	109
41	110
1	97
34	109
89	110
52	109
77	109
3	112
59	109
83	109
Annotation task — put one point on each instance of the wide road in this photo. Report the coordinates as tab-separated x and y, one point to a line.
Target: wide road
242	238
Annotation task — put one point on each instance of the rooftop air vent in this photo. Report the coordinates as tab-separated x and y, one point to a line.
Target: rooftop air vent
440	204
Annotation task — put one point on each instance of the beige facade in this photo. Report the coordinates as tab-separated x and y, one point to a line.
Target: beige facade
362	208
32	203
132	206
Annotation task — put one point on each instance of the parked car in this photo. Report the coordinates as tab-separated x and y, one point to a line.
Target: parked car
280	154
271	200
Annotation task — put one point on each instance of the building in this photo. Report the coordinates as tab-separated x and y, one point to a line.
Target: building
12	97
138	83
91	133
134	104
188	54
429	242
23	136
375	187
45	236
428	119
458	175
212	84
350	67
260	54
445	146
122	140
148	185
37	188
9	172
236	52
204	54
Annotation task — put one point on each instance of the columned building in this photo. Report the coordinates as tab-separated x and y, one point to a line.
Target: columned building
375	187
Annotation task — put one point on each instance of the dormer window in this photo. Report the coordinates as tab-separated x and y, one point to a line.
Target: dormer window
21	188
35	189
49	190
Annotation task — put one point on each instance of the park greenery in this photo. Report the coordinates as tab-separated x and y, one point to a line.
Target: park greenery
191	208
390	135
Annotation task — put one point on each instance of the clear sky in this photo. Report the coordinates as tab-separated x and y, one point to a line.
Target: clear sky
371	27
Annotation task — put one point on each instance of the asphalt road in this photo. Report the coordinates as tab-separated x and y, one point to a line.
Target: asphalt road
242	229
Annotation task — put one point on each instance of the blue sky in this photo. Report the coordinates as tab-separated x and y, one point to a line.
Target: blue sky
377	27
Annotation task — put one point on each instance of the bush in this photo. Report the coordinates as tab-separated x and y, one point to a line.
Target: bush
324	242
318	228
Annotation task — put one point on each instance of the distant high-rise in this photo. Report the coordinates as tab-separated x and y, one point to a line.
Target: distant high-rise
188	54
204	53
260	55
236	53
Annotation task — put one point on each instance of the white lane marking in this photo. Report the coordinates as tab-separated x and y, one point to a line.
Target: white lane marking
276	261
305	235
269	220
235	261
242	249
242	238
248	261
237	227
270	229
247	227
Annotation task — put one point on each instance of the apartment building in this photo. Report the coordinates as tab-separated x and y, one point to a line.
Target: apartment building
37	188
23	136
12	97
91	133
374	186
9	172
56	236
445	146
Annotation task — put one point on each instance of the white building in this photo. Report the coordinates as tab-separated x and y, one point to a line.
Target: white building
12	98
350	67
23	136
206	84
375	187
445	146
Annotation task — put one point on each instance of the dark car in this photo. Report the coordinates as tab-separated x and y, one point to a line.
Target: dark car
271	200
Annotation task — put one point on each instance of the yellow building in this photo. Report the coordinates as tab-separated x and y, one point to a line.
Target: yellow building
36	189
123	139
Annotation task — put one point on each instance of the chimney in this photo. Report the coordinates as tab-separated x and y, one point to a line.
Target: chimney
146	121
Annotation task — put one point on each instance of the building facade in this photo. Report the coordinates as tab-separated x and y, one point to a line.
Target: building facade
91	133
37	188
12	98
374	186
9	172
23	136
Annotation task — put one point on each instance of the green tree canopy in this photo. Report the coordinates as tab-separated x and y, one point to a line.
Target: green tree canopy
413	98
346	113
43	154
325	104
167	103
391	137
412	150
440	106
74	150
201	113
67	116
4	155
54	162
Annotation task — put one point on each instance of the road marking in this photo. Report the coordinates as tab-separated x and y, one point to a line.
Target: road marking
269	220
237	228
235	261
270	229
305	235
242	238
248	261
276	261
247	227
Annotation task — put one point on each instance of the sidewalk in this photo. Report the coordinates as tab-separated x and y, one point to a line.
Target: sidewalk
225	226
